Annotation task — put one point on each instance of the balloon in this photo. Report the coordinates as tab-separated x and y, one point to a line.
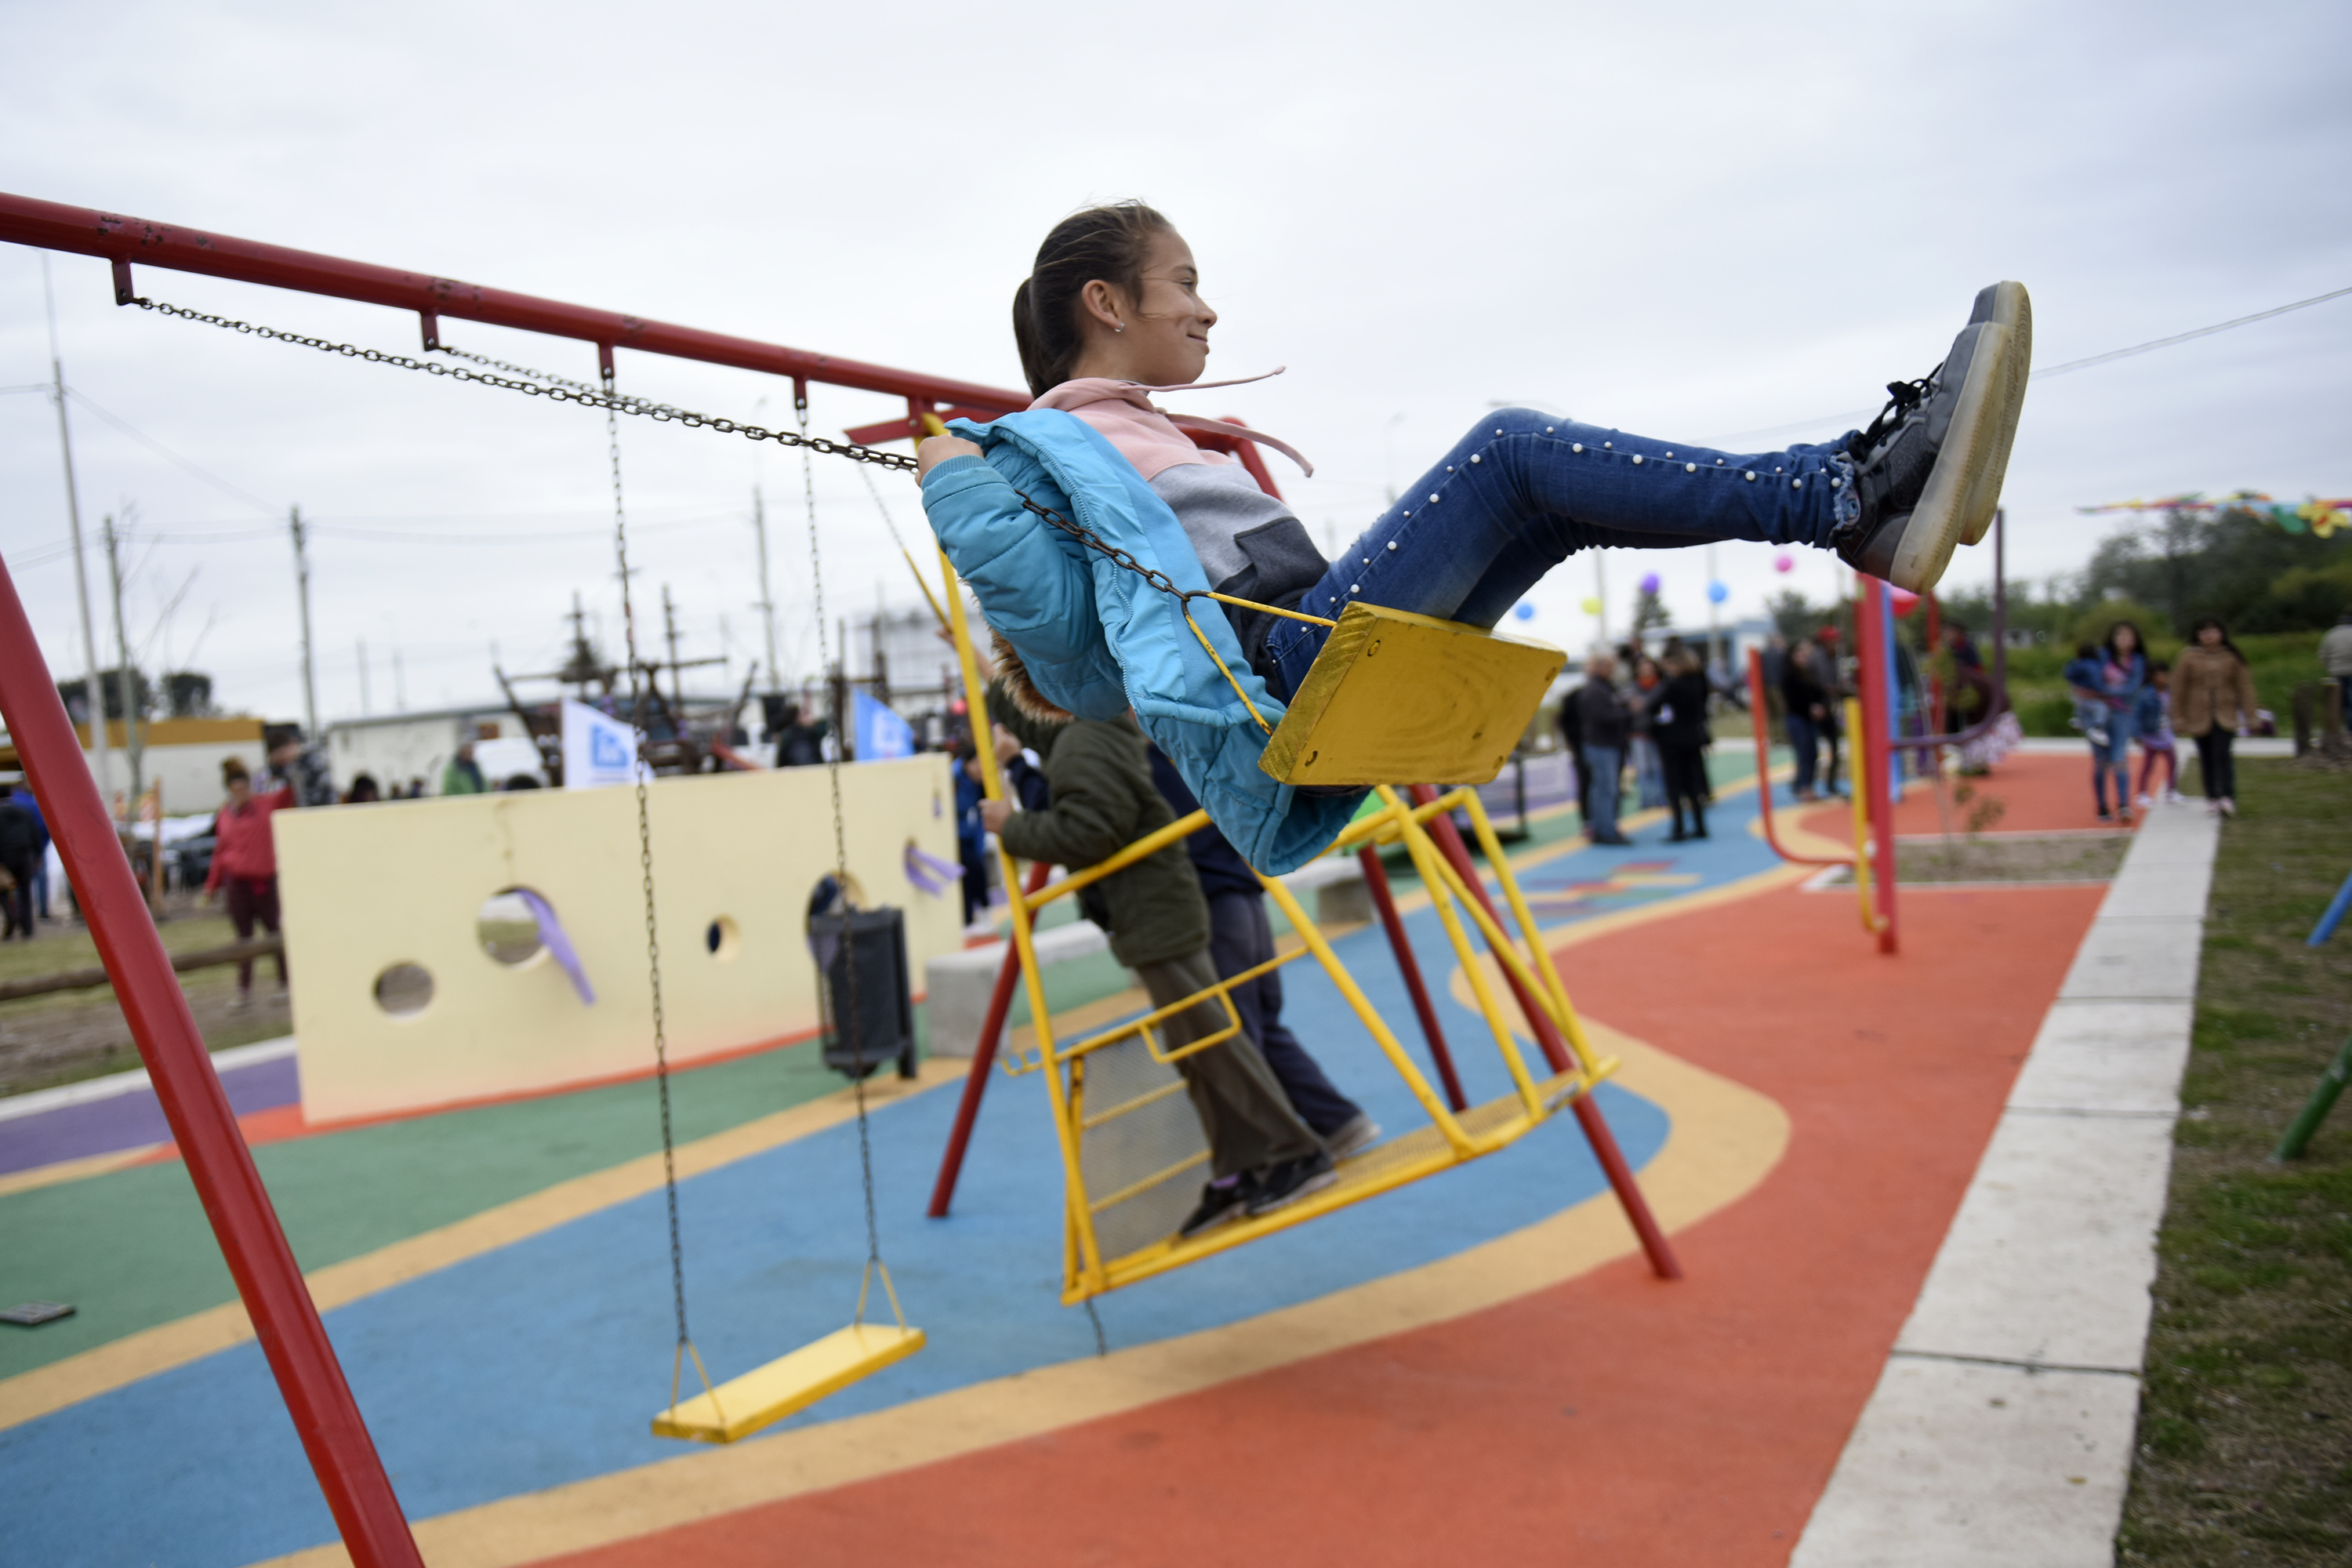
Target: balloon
1716	592
1783	563
1525	611
1650	582
1905	601
1591	607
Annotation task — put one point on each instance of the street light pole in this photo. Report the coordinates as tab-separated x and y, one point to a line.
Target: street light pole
767	596
303	586
94	699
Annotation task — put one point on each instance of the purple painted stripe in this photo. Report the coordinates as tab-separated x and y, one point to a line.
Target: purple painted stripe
129	1120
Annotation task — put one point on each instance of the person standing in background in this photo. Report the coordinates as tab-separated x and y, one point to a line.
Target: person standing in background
1571	735
20	849
462	775
303	766
1642	709
2154	732
1806	711
2213	693
1606	726
40	887
2336	659
245	864
1678	724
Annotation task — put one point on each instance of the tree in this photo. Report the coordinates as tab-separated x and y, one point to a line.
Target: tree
189	694
1648	611
75	694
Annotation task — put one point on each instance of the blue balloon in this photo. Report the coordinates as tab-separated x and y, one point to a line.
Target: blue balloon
1525	611
1716	592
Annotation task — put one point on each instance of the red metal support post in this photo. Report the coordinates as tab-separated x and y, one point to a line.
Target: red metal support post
984	1057
1873	743
1759	716
1662	1262
269	1282
1376	882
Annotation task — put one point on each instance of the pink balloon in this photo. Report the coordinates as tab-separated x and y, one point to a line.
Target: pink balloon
1650	583
1783	563
1905	601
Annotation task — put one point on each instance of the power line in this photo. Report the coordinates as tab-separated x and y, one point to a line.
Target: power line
157	446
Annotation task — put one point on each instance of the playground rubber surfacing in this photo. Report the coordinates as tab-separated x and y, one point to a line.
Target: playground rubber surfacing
1480	1360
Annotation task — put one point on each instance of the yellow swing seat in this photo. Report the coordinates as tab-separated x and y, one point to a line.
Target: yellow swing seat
764	1395
1400	698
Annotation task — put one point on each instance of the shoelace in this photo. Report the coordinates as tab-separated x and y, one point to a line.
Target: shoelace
1903	396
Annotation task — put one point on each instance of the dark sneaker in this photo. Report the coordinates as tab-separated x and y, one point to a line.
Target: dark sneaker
1936	455
2006	304
1290	1181
1224	1199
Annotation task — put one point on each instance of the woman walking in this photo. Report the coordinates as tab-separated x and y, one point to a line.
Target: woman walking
2213	702
2121	676
1808	705
245	863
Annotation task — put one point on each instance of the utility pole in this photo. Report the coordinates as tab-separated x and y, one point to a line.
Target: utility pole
399	687
123	672
1710	608
1600	595
669	634
363	681
767	606
93	697
302	586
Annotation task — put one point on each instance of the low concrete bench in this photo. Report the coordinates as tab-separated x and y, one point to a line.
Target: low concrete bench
1332	889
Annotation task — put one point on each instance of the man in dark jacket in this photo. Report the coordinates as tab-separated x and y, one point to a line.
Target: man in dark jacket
1606	724
1262	1154
1239	938
20	835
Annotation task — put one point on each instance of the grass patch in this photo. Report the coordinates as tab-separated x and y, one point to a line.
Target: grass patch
2245	1431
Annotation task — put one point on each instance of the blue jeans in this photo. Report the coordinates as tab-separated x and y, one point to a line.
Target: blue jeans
2114	758
1523	491
1649	773
1604	762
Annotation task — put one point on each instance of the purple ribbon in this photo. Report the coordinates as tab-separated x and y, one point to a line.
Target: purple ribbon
550	934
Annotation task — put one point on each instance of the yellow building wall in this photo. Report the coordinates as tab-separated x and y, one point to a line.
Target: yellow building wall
366	887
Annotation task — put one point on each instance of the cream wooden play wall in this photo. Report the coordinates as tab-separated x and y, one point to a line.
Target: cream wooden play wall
367	889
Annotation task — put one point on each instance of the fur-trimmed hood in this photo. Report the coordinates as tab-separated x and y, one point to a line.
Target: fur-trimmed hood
1013	676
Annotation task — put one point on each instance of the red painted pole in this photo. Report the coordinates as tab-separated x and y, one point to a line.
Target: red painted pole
1662	1262
1759	715
268	1280
1376	881
984	1057
1875	669
84	231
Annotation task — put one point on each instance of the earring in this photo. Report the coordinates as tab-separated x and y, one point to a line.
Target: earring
1119	328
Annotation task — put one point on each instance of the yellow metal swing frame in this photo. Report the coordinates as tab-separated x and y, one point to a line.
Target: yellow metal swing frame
1393	696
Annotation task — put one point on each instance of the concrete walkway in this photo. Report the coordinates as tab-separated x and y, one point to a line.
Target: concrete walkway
2002	1429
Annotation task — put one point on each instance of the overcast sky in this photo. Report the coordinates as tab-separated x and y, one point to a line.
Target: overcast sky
1693	222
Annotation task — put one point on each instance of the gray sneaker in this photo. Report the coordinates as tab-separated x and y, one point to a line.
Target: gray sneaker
1931	463
1360	1134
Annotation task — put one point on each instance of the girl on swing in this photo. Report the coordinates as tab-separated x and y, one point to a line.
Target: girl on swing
1111	313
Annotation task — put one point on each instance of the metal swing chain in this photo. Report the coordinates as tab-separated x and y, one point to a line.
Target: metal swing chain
555	389
645	875
856	1020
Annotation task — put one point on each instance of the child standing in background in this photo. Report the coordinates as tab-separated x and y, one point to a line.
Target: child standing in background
2156	735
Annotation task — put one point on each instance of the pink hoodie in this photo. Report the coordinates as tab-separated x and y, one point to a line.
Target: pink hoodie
1145	436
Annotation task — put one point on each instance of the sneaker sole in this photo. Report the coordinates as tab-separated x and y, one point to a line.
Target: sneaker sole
2007	304
1970	447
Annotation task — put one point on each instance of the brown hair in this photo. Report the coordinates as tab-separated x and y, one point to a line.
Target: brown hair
1106	243
232	770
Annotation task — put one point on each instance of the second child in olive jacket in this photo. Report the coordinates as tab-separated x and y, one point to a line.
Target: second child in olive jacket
1262	1155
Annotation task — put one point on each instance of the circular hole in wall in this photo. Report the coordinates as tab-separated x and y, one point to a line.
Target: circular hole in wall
722	939
404	990
507	929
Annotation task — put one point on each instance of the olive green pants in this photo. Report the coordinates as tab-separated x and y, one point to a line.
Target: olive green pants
1248	1120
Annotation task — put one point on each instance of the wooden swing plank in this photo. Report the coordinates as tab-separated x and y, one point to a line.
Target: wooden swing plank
1424	1151
764	1395
1400	698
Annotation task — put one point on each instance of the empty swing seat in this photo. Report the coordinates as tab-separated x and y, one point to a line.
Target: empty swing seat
1396	698
743	1405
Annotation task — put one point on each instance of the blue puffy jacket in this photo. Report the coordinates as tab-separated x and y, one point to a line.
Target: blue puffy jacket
1098	640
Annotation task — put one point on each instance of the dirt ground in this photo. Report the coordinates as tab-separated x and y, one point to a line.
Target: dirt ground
71	1035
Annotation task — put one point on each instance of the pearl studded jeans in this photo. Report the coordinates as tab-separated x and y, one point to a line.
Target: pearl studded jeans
1523	491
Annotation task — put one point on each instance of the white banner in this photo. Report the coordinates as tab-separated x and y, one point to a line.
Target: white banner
597	750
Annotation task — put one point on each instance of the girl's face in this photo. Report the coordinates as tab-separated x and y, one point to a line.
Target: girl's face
2127	641
239	790
1159	336
2210	637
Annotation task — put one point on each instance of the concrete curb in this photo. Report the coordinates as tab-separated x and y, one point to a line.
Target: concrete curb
2002	1429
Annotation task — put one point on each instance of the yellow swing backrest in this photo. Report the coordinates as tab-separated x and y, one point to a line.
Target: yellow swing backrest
1400	698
